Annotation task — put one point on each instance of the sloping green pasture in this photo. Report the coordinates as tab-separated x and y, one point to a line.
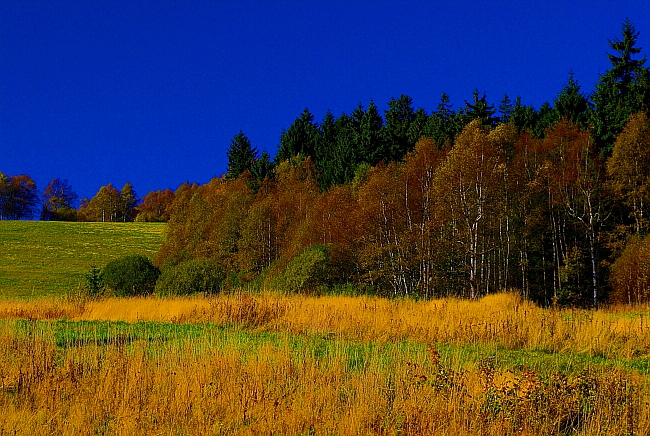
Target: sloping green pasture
48	258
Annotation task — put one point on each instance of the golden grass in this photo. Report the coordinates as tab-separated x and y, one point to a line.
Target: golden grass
202	386
504	319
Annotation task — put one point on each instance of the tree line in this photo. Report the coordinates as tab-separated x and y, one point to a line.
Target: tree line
20	199
550	202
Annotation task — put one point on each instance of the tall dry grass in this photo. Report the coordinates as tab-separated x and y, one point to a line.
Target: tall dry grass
228	385
501	319
195	387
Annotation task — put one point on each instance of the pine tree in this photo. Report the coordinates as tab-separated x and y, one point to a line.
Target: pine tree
505	109
368	128
572	104
301	138
622	91
480	109
524	117
444	124
241	155
399	117
262	167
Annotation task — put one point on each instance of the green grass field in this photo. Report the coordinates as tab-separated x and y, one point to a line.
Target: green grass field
48	258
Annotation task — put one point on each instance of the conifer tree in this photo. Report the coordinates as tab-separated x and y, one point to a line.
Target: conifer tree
480	109
300	138
241	155
572	104
399	117
622	91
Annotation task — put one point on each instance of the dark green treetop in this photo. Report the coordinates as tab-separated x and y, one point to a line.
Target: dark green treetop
398	119
241	155
572	104
622	91
480	109
301	138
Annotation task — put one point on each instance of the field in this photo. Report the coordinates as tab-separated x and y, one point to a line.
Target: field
48	258
249	364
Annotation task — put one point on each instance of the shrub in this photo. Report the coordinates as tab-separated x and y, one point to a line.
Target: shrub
130	276
317	267
94	283
189	277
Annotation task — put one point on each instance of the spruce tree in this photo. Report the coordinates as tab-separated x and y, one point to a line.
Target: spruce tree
300	138
480	109
241	155
399	117
622	91
572	104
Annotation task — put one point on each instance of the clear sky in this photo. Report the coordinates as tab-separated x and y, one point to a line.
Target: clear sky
152	92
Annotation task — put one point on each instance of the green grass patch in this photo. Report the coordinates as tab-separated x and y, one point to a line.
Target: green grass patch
48	258
162	337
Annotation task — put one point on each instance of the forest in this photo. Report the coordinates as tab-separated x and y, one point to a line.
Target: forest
550	202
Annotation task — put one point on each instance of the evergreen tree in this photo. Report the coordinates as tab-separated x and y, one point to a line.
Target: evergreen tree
572	104
545	118
417	127
301	138
480	109
262	167
399	117
325	152
444	124
524	117
505	109
370	143
241	155
622	91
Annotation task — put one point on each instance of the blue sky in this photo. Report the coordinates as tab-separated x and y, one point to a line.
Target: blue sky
152	92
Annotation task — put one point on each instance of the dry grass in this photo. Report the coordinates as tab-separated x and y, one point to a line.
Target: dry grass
502	319
332	365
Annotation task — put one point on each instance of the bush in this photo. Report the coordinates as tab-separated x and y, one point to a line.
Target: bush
317	268
130	276
190	277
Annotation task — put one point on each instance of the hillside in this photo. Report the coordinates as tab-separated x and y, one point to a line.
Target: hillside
47	258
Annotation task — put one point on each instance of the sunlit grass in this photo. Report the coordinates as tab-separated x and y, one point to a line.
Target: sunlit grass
41	258
153	377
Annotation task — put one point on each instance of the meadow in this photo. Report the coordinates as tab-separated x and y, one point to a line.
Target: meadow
260	363
49	258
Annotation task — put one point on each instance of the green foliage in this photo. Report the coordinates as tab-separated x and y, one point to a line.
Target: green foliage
622	91
189	277
313	268
301	138
128	202
241	155
396	132
130	276
94	283
572	104
479	109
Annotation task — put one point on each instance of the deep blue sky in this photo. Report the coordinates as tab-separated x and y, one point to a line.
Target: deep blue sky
152	92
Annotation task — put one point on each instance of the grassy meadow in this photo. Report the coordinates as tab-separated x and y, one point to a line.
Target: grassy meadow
48	258
255	363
